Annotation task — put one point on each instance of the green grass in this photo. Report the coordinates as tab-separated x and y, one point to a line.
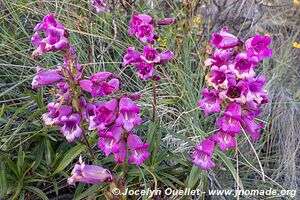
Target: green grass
35	161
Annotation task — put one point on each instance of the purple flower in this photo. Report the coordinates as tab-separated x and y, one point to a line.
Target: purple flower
138	19
97	85
99	5
56	36
165	57
45	77
105	114
218	77
56	112
63	91
210	102
250	126
224	140
131	57
166	21
129	114
230	121
109	139
235	91
88	112
219	58
224	40
202	155
243	65
71	127
145	71
89	174
145	33
150	55
255	91
258	46
138	150
120	152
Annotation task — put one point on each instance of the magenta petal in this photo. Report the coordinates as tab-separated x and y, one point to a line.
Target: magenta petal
86	85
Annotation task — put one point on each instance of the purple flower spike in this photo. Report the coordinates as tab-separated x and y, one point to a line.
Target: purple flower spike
230	121
105	114
224	140
166	21
138	150
150	55
211	102
98	5
138	19
45	77
55	113
120	152
250	126
109	139
71	127
224	40
131	57
258	46
129	114
145	33
89	174
202	155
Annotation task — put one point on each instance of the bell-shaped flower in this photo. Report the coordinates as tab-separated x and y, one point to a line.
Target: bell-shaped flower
255	91
98	85
219	58
138	150
56	36
165	57
129	114
202	154
218	77
92	174
98	5
224	140
109	139
145	71
165	21
45	77
120	152
56	112
235	91
138	19
211	101
71	127
250	126
243	65
150	55
105	114
131	57
258	46
145	33
230	121
224	40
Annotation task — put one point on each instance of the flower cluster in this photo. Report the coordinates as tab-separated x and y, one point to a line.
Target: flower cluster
142	26
98	5
73	111
233	85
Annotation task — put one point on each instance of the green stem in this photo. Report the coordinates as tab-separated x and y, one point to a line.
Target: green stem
154	101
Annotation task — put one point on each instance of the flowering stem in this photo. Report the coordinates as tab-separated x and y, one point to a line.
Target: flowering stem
154	101
89	146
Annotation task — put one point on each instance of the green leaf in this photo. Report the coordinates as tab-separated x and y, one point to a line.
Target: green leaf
3	180
37	191
89	192
194	176
231	168
68	158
